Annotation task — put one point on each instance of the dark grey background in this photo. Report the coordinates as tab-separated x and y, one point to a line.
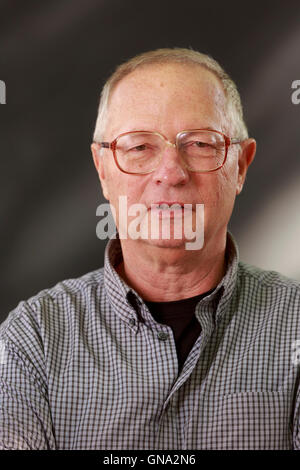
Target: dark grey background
54	59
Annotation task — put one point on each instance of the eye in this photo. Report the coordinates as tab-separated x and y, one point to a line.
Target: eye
201	144
197	144
139	148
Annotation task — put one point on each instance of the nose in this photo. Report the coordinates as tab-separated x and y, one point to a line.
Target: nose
171	170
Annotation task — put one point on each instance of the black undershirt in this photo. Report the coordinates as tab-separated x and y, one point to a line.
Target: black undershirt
180	316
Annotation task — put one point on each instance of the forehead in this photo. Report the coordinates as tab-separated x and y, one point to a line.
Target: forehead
188	95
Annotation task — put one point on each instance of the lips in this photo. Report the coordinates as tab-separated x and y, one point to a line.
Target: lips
169	205
171	209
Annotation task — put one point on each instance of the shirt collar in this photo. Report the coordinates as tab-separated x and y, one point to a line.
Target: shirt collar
126	302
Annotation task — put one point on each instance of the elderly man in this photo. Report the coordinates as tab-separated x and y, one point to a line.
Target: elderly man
170	345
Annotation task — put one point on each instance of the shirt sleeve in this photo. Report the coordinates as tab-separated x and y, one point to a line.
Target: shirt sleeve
25	416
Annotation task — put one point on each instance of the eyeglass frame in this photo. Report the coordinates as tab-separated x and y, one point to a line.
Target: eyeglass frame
112	146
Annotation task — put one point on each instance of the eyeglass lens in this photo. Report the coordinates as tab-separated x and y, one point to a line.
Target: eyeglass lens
142	152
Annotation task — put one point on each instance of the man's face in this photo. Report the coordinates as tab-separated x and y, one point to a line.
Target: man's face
168	99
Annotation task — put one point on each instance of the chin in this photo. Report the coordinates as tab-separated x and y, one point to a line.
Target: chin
163	243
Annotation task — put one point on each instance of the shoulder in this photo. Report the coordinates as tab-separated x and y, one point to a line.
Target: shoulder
269	292
54	304
70	287
267	278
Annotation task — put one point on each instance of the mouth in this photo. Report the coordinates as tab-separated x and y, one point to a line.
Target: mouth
172	209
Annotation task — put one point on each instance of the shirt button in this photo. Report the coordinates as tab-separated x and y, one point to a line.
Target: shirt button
132	321
162	336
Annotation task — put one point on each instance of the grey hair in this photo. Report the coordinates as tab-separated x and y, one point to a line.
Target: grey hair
176	55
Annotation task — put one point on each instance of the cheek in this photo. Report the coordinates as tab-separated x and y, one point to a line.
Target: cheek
124	187
115	181
219	188
227	185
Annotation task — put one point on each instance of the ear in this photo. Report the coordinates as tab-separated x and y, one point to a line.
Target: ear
246	156
99	164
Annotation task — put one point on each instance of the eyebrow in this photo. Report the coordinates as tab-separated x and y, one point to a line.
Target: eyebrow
206	128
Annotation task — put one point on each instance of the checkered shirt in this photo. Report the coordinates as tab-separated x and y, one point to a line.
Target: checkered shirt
84	365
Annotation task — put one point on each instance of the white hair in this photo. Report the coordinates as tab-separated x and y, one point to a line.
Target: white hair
176	55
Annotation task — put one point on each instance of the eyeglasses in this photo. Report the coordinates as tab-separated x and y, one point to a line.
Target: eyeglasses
140	152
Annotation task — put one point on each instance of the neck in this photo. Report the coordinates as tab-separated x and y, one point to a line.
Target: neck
162	274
